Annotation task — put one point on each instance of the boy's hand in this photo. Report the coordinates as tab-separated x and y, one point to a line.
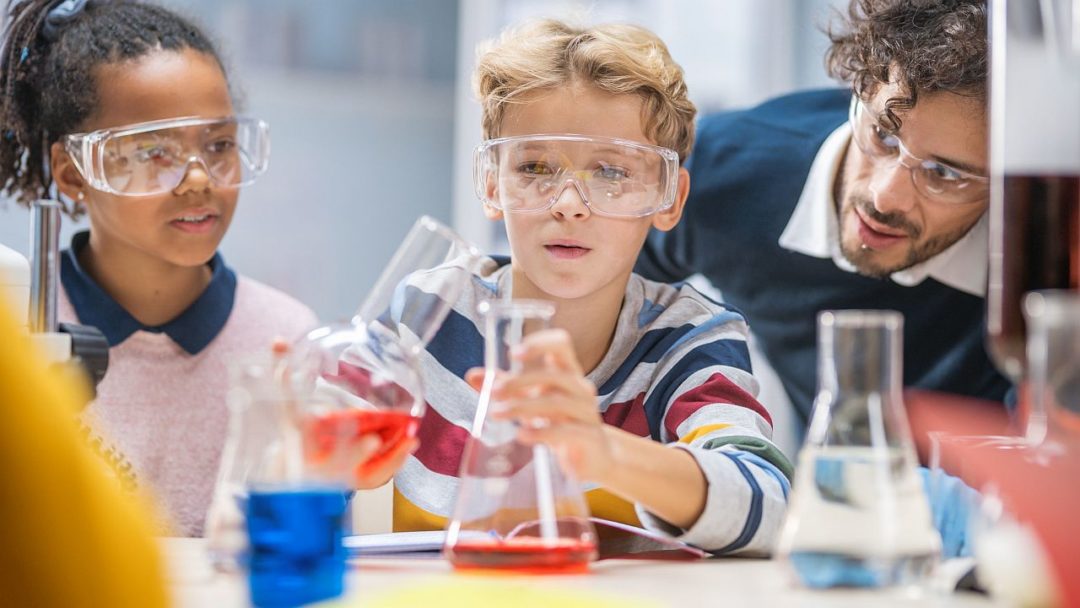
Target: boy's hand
363	460
554	404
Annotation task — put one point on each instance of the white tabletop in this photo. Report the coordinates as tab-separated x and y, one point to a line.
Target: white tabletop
729	582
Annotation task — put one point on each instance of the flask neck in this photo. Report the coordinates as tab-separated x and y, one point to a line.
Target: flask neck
860	361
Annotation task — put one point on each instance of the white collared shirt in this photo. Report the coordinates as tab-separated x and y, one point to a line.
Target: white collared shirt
814	230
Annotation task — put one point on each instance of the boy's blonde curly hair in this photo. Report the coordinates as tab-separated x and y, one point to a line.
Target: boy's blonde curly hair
620	59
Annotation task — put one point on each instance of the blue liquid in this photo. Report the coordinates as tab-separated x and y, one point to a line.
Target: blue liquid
296	554
820	570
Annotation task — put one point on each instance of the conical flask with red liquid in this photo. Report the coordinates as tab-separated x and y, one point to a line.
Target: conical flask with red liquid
516	509
359	378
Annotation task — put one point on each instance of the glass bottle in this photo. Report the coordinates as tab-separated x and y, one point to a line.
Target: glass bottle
1035	165
858	515
516	508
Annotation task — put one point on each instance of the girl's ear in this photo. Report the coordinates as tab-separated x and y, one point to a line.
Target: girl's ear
668	218
65	174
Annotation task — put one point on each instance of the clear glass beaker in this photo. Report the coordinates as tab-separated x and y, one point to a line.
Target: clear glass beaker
516	508
262	443
1053	353
858	515
269	516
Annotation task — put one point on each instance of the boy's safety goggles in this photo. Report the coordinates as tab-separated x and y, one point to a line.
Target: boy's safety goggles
154	157
613	177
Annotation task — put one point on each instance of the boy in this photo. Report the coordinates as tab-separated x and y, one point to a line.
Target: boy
633	365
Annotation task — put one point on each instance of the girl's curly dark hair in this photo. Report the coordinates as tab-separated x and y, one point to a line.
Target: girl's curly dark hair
924	46
47	86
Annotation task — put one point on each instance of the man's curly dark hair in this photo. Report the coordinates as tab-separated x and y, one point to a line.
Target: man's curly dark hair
925	46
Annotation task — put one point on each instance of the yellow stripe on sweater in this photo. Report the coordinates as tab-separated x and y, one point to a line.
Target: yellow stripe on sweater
409	517
702	431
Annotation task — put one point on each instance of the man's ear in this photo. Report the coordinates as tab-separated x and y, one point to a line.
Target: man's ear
65	175
668	218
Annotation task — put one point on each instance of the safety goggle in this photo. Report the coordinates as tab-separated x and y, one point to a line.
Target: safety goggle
936	181
613	177
154	157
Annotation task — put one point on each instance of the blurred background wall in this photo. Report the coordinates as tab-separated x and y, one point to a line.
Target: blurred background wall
373	119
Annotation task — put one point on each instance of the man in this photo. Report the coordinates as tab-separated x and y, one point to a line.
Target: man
828	200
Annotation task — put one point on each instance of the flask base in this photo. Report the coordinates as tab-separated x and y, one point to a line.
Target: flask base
527	555
820	570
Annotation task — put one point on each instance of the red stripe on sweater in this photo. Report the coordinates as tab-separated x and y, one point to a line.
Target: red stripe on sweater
718	389
441	443
629	416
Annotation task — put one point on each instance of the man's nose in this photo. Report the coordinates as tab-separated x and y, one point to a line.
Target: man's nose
892	189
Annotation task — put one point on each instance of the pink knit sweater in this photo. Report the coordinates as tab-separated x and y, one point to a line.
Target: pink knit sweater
165	409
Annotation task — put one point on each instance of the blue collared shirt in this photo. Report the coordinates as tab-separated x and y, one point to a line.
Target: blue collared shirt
192	330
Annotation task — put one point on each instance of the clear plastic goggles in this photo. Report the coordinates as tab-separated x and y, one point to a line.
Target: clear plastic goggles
613	177
154	157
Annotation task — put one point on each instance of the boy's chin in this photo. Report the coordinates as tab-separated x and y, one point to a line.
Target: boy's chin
565	288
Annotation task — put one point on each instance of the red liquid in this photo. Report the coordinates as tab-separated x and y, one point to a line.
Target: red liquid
1037	246
526	554
327	434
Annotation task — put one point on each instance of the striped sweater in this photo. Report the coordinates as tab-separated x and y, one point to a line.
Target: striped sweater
678	371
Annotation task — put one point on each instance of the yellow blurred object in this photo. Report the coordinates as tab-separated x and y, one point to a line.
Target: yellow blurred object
470	594
69	536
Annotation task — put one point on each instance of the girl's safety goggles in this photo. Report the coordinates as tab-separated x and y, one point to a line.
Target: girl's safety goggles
613	177
154	157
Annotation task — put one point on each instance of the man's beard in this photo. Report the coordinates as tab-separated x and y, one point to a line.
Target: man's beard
862	258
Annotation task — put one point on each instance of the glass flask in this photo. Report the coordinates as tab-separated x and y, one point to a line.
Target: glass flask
516	508
1053	353
362	377
350	380
858	515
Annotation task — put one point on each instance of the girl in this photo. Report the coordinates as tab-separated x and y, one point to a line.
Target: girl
125	109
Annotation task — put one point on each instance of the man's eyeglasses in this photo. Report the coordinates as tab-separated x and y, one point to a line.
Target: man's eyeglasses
936	181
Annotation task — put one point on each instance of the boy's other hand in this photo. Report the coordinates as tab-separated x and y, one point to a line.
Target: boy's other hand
554	404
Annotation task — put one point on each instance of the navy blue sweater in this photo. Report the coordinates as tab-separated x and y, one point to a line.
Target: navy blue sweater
747	173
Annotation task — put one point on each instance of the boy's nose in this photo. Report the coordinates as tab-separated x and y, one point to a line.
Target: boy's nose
571	201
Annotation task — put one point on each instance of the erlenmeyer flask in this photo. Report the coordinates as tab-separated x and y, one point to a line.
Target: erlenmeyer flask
361	377
516	508
858	515
420	284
